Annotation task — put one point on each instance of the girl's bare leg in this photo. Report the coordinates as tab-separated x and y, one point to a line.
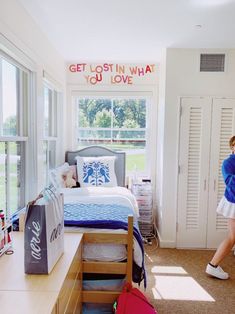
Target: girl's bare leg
226	246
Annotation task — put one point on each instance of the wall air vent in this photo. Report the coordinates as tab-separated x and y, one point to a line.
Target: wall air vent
212	62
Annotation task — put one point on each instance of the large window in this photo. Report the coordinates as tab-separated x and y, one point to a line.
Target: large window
14	82
119	122
51	98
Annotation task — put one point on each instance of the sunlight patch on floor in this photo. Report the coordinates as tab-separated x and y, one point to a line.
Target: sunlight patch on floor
168	270
174	283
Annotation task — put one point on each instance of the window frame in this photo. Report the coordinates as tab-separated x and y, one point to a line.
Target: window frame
54	116
24	92
148	95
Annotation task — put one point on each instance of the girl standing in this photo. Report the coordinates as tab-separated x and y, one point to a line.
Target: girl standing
226	207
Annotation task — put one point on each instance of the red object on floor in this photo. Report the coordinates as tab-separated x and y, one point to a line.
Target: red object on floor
133	301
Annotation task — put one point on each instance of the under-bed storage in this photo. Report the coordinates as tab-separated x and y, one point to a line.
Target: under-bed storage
116	268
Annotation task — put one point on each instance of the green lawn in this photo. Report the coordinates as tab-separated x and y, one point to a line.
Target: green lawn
135	162
13	193
12	168
11	144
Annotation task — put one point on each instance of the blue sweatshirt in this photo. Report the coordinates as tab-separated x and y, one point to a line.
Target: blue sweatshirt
228	171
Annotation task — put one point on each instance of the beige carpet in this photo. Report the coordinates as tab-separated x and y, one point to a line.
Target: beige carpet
177	282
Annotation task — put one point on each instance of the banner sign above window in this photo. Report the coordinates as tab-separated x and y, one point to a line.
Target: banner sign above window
111	73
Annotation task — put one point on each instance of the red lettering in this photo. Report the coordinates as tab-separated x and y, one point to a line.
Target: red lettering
106	67
126	79
140	71
120	69
93	80
72	68
98	77
87	78
117	78
130	80
99	69
81	67
91	69
133	70
147	69
111	67
152	67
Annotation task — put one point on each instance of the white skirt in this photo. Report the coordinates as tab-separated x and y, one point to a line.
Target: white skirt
226	208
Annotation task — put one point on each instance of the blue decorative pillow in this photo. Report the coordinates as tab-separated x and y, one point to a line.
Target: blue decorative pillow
96	171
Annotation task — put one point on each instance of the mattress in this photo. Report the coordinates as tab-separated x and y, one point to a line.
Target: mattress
106	252
111	195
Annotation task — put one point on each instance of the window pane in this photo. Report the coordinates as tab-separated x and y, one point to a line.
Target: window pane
94	113
49	158
12	176
54	114
129	113
14	115
2	176
16	176
50	112
52	157
46	110
10	98
116	123
45	168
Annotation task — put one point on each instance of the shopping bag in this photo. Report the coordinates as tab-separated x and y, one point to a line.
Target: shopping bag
132	301
44	232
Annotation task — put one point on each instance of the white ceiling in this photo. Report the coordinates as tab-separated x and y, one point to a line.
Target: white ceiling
132	30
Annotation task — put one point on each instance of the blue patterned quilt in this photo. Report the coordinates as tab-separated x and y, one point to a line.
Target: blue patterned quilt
105	216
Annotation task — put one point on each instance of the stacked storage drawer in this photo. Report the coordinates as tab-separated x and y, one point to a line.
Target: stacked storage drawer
143	194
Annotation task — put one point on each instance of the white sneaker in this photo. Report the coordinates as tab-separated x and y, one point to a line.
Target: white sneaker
216	272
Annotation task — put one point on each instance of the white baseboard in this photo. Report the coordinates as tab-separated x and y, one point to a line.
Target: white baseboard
165	243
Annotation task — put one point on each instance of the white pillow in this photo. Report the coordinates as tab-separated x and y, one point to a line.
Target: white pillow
55	175
96	171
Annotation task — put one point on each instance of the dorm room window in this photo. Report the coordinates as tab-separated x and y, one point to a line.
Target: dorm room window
51	97
117	122
14	90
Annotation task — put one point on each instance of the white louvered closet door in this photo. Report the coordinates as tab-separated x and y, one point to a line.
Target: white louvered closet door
223	127
194	150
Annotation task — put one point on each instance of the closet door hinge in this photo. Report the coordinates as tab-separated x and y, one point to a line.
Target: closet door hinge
177	227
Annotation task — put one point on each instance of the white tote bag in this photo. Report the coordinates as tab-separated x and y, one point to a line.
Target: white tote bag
44	232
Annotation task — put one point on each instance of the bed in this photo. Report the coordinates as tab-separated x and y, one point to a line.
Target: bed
104	213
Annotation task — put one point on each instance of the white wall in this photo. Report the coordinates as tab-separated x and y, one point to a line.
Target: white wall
18	27
22	33
182	78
